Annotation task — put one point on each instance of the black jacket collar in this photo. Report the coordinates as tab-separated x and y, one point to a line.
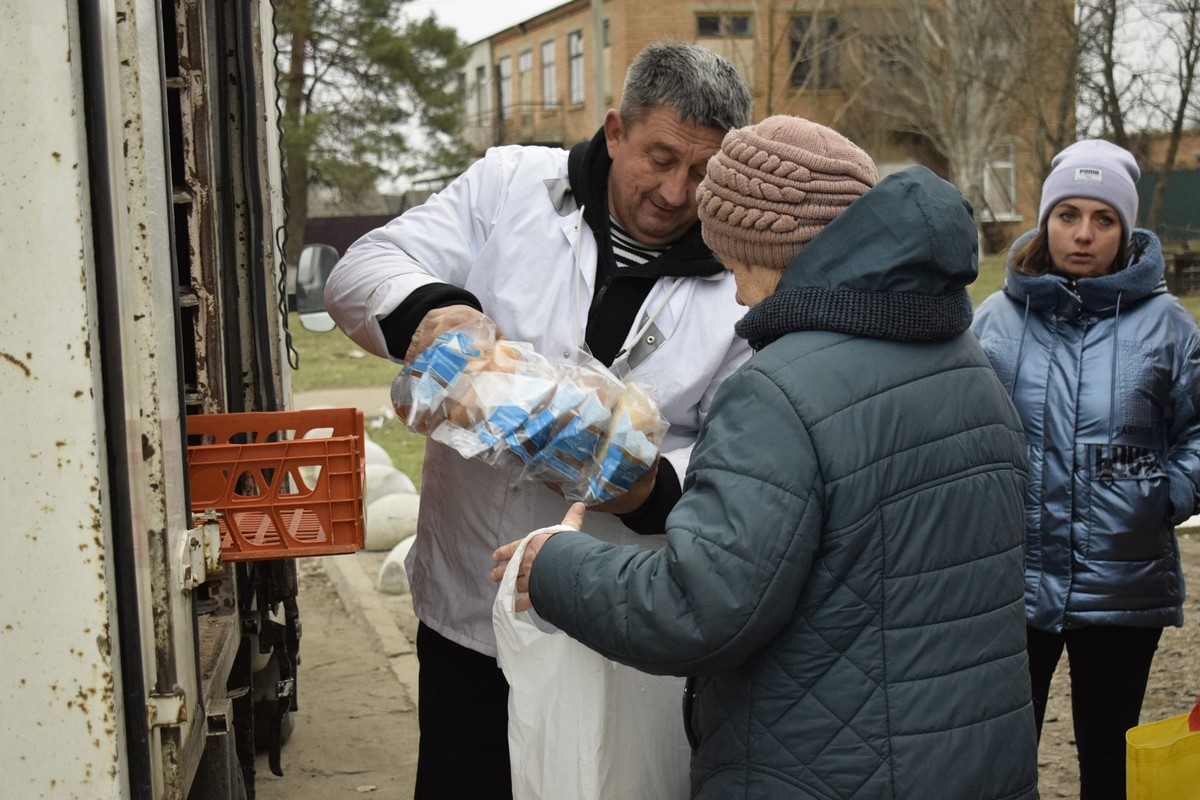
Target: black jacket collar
587	170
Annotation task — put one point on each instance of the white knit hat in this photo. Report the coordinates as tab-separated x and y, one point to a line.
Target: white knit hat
1097	170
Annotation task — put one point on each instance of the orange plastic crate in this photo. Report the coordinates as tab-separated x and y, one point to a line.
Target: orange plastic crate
255	469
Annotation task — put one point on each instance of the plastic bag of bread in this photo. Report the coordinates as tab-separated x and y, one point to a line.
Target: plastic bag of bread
573	425
421	394
512	383
630	446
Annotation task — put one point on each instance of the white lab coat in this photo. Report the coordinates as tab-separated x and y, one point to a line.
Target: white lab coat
496	232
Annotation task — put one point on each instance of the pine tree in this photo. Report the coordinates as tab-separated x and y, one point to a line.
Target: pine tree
368	94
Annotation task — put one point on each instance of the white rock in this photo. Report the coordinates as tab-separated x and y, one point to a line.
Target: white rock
393	577
1189	525
318	433
384	479
311	473
391	519
375	454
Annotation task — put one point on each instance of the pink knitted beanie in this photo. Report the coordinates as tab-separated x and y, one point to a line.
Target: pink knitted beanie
773	186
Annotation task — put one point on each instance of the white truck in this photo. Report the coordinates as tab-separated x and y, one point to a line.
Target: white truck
141	215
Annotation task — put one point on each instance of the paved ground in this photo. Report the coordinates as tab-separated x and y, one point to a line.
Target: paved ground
389	617
355	732
356	728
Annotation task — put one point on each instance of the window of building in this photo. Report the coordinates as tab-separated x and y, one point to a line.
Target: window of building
525	80
504	74
481	103
708	25
724	26
575	64
1000	186
814	53
549	90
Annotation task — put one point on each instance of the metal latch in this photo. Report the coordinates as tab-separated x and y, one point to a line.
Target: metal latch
211	529
167	710
200	552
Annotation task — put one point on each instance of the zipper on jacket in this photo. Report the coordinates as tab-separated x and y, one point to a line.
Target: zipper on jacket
689	708
603	290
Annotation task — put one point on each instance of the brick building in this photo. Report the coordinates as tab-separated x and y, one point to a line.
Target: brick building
537	82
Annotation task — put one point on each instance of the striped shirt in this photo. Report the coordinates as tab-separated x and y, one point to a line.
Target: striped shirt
627	251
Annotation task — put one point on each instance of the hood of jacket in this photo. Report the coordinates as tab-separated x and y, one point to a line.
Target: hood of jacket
894	265
1144	277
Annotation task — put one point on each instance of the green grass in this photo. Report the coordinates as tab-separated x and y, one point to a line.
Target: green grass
331	361
406	448
991	278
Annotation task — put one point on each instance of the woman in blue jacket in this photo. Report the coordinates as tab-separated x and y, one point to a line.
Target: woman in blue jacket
1102	364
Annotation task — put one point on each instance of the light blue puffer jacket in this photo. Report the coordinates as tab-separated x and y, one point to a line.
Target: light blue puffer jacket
843	573
1105	373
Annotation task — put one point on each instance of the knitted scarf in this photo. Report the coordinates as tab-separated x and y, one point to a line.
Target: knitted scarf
897	316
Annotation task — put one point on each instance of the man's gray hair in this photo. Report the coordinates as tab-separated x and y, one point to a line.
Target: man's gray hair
701	86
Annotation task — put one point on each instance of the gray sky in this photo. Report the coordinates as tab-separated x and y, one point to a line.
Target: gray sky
476	19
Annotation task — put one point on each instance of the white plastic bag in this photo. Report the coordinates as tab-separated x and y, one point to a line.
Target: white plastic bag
581	727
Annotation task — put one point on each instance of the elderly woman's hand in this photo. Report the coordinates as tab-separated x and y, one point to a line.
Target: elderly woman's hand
502	555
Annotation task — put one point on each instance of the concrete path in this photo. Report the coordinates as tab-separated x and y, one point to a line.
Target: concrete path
388	617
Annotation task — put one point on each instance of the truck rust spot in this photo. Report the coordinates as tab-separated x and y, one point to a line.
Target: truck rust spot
17	362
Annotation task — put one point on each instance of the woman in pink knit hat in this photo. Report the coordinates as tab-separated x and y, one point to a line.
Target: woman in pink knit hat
842	576
1104	367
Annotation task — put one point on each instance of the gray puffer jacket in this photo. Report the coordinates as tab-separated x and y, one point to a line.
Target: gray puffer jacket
843	572
1105	373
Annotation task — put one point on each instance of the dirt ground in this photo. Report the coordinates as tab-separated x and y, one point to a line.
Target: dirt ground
1173	688
356	732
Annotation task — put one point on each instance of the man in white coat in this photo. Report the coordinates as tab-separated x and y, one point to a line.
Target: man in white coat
599	246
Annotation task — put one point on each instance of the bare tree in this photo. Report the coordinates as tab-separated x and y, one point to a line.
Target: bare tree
1057	43
796	42
1138	78
811	37
1179	22
947	74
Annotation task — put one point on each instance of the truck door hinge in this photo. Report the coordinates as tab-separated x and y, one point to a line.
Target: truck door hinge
200	552
167	710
